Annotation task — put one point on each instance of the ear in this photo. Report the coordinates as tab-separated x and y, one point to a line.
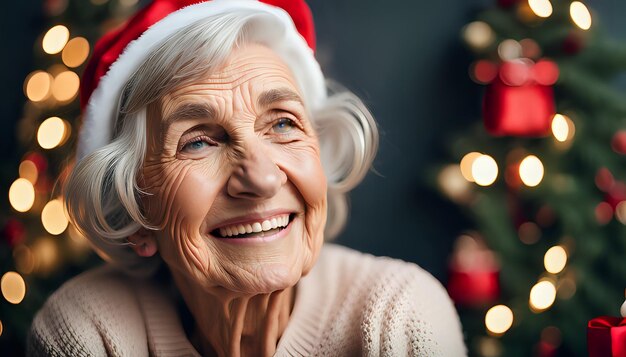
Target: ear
143	242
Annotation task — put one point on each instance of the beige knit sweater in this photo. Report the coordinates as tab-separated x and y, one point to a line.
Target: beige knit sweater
350	304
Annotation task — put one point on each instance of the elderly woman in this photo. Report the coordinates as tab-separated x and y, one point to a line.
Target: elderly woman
211	165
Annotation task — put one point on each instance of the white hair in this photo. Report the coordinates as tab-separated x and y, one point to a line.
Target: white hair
102	195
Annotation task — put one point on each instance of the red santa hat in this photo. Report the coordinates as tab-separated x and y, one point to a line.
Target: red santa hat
120	53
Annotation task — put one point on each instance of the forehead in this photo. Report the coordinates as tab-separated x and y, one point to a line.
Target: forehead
252	68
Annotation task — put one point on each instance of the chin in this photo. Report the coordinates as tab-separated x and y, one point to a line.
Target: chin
272	277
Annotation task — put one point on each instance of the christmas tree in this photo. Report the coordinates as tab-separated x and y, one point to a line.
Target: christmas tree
541	178
39	250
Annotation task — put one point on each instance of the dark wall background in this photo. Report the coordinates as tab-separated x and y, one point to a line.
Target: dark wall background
404	58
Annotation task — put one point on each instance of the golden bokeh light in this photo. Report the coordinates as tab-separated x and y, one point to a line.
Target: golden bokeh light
75	52
22	195
563	127
28	170
555	259
531	171
466	165
499	319
65	86
24	259
452	183
484	170
0	328
52	132
53	217
13	287
37	86
55	39
542	295
478	35
46	253
541	8
580	15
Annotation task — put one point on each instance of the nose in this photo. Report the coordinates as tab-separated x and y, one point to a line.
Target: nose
256	176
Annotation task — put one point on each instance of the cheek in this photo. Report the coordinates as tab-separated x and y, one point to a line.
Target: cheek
177	192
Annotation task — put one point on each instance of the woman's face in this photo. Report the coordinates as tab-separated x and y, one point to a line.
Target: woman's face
234	178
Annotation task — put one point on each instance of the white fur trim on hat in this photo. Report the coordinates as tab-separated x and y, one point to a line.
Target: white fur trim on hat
102	109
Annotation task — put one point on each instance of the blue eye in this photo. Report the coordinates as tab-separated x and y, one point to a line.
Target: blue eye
283	125
196	145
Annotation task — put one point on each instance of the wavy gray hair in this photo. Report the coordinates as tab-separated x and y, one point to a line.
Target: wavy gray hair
102	195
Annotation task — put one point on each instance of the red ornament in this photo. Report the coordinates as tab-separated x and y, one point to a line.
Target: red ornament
13	232
618	142
520	101
606	337
474	273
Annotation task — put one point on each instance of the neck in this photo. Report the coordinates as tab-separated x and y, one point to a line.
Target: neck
230	324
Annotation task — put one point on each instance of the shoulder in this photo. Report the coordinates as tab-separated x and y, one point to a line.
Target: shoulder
93	314
401	308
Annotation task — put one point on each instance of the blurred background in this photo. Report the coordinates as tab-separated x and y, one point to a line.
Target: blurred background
503	135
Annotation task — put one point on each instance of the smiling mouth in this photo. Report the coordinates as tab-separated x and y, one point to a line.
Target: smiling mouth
255	229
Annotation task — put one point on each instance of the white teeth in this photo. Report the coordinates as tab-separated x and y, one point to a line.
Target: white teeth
256	227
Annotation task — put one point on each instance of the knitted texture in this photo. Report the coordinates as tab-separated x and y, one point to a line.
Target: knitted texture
350	304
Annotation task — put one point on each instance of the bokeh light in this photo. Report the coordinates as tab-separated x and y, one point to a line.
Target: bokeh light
452	183
13	287
620	212
21	195
509	50
555	259
484	170
53	217
563	127
489	347
65	86
529	233
499	319
75	52
478	35
541	8
531	171
28	170
24	259
0	328
542	295
483	71
55	39
567	287
580	15
51	133
603	213
37	86
46	253
466	165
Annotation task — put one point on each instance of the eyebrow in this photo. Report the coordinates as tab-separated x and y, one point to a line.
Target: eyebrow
278	95
189	111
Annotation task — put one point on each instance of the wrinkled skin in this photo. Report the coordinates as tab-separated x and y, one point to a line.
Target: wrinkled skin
238	159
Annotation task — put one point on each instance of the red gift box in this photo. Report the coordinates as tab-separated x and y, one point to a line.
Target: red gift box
606	337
